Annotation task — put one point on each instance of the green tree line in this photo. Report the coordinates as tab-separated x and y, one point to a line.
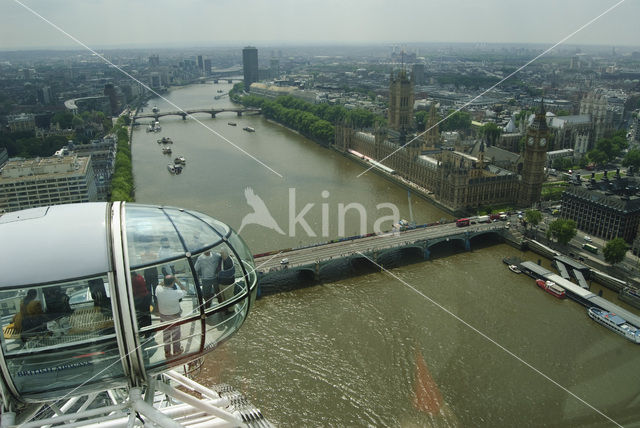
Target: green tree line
316	121
122	179
27	145
607	149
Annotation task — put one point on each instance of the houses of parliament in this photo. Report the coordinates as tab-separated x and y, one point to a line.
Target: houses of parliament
460	182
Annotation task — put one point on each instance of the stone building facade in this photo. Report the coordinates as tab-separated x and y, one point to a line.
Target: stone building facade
608	209
401	102
46	181
572	132
460	182
534	160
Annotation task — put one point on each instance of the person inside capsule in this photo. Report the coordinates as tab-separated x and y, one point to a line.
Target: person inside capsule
88	317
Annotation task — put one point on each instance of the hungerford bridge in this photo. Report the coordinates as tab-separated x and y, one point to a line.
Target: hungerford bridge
184	113
319	261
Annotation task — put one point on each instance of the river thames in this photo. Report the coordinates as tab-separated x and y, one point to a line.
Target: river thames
458	340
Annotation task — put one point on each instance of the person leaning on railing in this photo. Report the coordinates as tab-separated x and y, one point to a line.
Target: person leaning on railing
169	295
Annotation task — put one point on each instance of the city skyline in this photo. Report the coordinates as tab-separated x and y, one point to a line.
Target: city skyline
101	23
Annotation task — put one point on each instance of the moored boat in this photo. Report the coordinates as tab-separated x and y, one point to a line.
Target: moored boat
551	288
165	140
249	129
171	168
166	150
231	123
615	322
180	160
514	269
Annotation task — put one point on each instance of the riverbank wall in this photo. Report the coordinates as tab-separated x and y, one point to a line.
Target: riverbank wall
423	194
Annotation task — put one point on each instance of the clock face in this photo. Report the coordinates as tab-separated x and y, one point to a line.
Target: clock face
543	142
531	141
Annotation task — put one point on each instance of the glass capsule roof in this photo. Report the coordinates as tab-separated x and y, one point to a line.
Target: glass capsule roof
49	244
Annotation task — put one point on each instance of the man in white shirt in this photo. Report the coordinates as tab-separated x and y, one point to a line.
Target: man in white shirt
169	295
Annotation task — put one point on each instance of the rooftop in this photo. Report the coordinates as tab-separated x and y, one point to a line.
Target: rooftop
619	193
40	168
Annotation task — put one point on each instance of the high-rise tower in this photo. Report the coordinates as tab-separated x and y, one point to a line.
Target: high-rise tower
250	66
535	158
401	102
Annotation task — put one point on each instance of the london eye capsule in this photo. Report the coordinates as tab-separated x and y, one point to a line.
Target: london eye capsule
100	295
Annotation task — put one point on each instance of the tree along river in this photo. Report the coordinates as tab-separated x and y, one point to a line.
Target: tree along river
458	340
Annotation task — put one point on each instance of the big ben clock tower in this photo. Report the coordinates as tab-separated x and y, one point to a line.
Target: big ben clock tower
535	158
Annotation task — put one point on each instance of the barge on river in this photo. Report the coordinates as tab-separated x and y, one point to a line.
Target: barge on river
616	323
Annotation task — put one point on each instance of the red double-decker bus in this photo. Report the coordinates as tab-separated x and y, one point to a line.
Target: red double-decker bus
462	222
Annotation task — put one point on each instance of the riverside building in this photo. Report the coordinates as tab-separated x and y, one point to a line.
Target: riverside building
46	181
103	160
608	209
460	182
250	65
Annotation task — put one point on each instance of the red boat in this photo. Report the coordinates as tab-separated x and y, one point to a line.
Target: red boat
551	288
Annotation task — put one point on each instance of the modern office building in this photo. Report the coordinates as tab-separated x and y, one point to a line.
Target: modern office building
46	181
274	68
250	65
417	73
103	159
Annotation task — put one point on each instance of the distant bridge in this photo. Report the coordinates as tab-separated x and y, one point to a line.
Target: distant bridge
237	79
184	113
315	262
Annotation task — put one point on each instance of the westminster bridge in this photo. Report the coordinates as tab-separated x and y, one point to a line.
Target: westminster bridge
351	255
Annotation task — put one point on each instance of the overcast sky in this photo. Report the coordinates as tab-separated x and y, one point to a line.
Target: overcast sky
100	23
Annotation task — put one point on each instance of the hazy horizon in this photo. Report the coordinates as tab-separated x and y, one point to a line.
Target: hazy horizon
119	24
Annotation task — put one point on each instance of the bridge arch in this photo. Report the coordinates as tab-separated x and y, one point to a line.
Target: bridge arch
213	112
